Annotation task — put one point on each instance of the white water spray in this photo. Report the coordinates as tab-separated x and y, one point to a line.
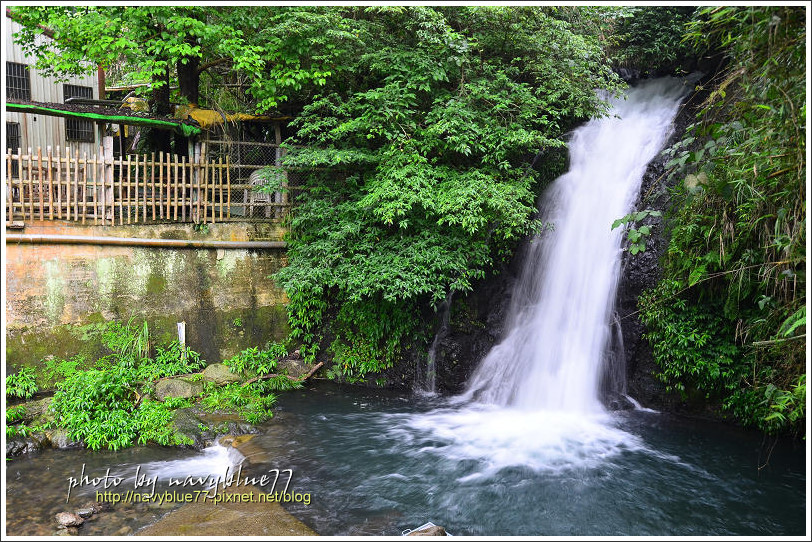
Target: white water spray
560	319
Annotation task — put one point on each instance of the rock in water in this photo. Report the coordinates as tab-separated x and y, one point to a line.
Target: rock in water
433	530
84	512
67	519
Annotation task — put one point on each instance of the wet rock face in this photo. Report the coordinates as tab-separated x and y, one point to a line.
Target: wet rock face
476	325
641	272
20	446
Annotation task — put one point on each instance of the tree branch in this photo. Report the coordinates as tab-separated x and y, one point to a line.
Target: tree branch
212	63
315	368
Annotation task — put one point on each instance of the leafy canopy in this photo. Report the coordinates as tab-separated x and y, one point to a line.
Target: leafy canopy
427	136
266	52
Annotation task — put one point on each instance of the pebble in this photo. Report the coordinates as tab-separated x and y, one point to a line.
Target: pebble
66	519
84	512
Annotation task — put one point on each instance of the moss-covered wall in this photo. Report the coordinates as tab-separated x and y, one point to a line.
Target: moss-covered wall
57	295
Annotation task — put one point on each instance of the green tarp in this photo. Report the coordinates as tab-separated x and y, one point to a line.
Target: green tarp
186	130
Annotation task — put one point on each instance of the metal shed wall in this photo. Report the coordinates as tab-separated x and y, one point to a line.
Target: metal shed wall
41	130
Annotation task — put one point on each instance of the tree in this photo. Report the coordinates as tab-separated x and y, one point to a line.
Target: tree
166	46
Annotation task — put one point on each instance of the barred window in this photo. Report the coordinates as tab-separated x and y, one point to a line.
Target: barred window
13	143
13	136
75	129
18	82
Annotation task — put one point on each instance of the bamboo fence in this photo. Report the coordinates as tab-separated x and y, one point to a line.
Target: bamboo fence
133	189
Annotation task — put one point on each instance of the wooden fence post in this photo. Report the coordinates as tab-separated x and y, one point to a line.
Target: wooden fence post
21	174
84	187
183	190
50	186
39	184
10	196
59	180
161	183
152	177
76	186
129	193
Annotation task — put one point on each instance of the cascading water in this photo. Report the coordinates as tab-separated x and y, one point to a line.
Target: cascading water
534	401
561	315
428	384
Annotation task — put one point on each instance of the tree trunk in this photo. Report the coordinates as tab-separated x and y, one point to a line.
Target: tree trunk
160	95
189	78
159	139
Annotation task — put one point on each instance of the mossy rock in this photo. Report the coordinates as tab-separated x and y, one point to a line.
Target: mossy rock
220	374
61	440
177	387
203	427
186	423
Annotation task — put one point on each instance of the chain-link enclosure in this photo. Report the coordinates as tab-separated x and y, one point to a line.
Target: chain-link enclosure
255	171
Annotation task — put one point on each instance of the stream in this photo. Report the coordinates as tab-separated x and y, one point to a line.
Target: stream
378	462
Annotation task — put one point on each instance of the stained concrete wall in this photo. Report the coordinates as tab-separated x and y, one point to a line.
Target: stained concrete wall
58	295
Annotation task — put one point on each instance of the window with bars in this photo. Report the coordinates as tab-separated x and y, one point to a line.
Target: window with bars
75	129
18	82
13	136
13	143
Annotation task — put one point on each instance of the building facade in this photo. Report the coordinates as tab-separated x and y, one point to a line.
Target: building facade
25	84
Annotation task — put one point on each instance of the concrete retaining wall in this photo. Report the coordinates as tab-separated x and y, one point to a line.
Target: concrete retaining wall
59	294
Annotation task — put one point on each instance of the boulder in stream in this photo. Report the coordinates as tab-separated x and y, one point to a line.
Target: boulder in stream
61	440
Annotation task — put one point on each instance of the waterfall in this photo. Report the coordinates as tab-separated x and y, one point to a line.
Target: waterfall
429	383
560	322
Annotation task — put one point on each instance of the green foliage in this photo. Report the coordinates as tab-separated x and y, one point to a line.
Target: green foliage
637	236
58	369
21	384
256	361
272	51
15	414
250	402
428	136
95	406
737	245
100	407
278	383
19	430
793	322
108	406
691	344
173	359
153	421
786	407
650	38
129	343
